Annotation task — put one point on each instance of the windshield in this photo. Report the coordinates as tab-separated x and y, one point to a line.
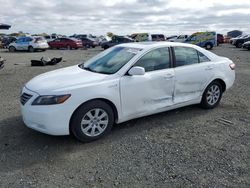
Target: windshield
110	61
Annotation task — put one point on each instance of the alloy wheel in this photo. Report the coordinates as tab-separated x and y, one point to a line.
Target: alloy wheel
213	95
94	122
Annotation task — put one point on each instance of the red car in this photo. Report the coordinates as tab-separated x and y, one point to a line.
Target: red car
68	43
220	39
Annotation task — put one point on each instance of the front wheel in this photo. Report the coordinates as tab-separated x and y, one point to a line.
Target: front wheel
208	46
238	45
212	95
12	49
92	121
105	47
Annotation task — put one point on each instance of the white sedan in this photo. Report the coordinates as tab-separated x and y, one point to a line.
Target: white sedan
122	83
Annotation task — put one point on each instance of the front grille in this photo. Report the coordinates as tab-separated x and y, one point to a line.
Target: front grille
24	98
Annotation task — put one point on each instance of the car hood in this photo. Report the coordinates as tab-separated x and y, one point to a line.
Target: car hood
63	79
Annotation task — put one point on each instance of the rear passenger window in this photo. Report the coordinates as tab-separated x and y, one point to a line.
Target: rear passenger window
203	58
185	56
155	60
28	39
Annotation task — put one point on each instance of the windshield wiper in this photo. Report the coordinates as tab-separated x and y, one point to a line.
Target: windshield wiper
87	68
91	70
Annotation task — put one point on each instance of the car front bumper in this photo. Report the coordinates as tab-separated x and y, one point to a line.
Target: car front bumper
48	119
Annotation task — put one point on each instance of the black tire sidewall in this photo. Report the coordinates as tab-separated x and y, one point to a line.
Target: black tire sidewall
12	47
239	45
75	124
30	47
204	102
210	46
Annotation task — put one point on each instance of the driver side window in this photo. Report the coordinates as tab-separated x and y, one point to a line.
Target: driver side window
155	60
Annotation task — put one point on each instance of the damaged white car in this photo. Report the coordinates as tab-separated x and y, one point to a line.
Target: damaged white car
122	83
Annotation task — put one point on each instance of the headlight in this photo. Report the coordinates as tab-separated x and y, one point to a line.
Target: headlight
50	99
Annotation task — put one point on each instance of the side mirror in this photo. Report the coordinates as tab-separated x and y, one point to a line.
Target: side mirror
136	71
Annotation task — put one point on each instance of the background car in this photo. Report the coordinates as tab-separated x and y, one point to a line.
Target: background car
234	38
246	45
180	38
88	42
158	37
115	41
29	43
203	39
68	43
143	37
7	40
220	39
50	38
240	41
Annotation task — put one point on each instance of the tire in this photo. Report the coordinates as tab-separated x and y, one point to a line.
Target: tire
212	95
31	49
105	47
239	45
92	129
208	46
12	49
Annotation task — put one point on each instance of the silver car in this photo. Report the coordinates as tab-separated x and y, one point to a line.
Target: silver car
30	44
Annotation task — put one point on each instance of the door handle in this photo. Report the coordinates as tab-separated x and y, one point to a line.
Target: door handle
167	76
209	68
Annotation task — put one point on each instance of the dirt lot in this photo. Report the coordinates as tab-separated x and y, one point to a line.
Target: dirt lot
188	147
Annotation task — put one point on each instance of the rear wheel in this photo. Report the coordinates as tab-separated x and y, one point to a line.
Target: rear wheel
212	95
92	121
12	49
31	49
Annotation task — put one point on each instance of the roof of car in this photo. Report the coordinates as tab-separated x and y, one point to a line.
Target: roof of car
149	45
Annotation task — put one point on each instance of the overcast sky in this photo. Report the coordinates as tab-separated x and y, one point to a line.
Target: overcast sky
125	16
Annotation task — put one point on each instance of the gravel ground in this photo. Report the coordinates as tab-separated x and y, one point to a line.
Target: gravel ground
187	147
